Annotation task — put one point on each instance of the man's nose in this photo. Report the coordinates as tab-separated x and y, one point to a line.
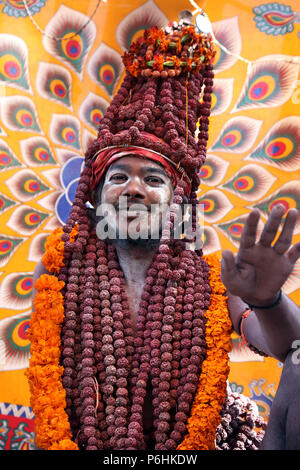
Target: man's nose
134	189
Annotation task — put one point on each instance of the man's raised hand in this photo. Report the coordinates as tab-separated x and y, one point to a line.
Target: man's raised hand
261	267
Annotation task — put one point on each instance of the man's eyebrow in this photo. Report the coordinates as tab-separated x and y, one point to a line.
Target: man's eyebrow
149	169
152	169
120	166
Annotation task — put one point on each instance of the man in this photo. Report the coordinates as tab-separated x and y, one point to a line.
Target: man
145	335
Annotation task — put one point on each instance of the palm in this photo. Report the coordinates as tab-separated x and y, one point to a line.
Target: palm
259	270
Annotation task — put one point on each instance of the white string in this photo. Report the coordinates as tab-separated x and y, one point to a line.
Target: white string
60	38
295	60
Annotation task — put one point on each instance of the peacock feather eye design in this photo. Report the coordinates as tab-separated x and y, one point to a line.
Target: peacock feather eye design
25	185
105	68
275	18
251	182
26	220
288	196
6	203
14	342
221	95
92	110
215	205
17	8
237	135
18	114
211	242
141	18
16	291
37	247
14	62
53	82
213	170
7	158
227	33
65	130
36	152
281	146
74	46
271	82
233	229
8	246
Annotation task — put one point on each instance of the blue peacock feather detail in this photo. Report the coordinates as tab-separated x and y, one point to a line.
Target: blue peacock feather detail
281	146
77	35
270	82
14	62
53	82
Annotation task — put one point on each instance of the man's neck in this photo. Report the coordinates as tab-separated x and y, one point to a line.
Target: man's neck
135	260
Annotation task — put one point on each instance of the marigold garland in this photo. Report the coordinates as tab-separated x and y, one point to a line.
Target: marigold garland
48	398
211	393
54	250
44	373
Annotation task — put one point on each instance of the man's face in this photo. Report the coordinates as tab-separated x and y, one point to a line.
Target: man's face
136	194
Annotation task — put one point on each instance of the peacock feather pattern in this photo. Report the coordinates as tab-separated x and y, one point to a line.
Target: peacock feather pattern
76	40
281	146
271	82
14	62
251	182
18	113
237	135
53	82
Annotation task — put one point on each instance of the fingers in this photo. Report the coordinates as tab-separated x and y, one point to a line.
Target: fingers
248	237
294	253
285	238
228	266
270	229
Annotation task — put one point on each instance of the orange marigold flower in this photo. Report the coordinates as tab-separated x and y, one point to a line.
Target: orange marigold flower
211	393
176	60
158	62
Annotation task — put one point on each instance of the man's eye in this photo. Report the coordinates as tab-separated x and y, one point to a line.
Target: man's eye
118	177
154	179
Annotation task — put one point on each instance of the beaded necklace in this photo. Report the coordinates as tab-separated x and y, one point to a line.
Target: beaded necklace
105	425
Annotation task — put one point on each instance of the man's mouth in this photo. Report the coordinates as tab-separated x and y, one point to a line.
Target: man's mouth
132	208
